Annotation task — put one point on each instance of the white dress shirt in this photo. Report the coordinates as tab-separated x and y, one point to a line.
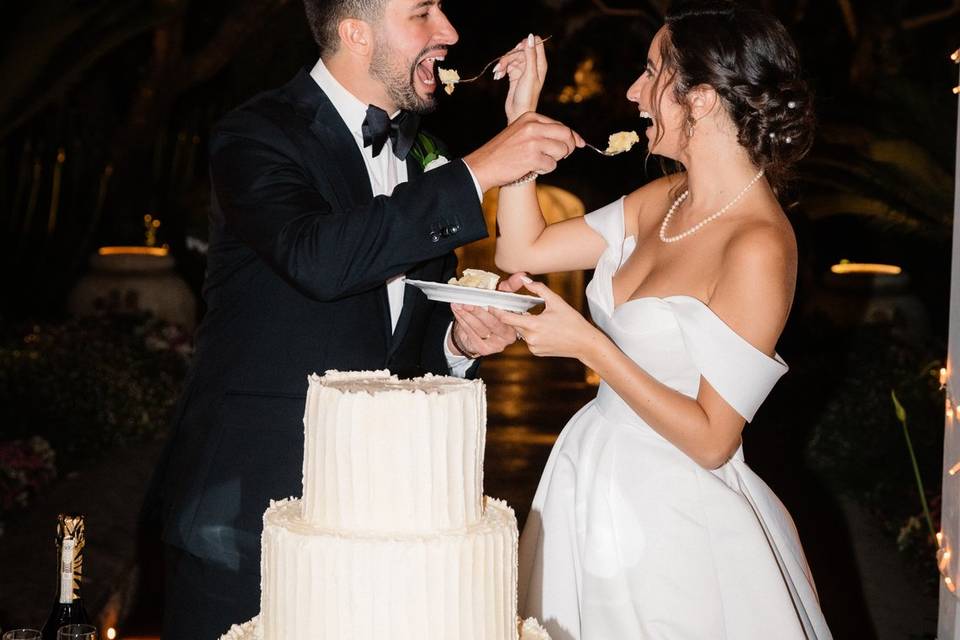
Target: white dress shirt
386	171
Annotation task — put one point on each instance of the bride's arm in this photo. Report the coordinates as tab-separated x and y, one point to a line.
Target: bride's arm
526	242
750	297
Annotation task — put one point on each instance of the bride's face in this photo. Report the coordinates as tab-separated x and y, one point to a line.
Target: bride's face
653	94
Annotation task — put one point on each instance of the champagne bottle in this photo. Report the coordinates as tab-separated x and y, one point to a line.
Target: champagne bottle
67	605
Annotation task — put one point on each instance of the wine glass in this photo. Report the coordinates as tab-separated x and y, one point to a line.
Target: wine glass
22	634
77	632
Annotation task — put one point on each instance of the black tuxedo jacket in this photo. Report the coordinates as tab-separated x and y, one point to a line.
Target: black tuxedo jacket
300	251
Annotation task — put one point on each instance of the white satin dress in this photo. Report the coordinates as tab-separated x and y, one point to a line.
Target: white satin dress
629	538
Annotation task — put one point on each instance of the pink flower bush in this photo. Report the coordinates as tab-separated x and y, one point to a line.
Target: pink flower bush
26	466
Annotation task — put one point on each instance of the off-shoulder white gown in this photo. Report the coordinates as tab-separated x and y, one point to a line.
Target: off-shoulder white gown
629	538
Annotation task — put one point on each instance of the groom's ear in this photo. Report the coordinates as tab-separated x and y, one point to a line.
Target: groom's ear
356	36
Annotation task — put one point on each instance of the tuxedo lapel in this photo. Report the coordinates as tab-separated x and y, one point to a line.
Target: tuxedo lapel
414	170
337	152
409	302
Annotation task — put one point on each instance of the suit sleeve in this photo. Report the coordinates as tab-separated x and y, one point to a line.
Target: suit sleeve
269	201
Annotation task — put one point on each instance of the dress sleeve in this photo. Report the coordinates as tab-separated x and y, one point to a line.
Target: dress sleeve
608	222
740	373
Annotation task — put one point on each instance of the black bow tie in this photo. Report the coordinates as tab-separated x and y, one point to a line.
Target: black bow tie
378	127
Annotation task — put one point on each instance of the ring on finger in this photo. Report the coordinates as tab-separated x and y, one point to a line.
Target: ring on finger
520	337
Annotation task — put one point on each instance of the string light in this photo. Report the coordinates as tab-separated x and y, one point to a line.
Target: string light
944	554
955	56
111	633
130	251
845	266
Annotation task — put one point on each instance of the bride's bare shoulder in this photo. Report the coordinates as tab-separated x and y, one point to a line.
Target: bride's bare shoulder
646	205
760	261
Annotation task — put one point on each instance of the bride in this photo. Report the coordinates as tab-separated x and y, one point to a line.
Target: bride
647	522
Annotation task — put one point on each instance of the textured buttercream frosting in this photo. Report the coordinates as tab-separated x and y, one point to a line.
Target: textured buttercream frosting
393	456
393	538
321	583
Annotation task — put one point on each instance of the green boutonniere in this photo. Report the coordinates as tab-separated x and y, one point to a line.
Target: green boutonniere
425	150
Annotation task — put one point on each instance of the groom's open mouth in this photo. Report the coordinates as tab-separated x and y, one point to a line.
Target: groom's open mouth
426	69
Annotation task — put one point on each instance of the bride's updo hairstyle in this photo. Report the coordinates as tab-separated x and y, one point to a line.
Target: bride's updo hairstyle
751	62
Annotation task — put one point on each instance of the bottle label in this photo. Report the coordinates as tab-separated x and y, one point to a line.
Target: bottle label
66	571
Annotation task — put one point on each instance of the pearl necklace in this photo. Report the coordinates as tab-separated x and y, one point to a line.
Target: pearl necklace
708	219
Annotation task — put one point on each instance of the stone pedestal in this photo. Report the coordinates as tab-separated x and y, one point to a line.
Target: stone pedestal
133	279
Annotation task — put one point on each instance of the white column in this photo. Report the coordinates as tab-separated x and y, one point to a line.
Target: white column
948	627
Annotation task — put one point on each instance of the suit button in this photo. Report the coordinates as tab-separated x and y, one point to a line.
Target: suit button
455	229
434	236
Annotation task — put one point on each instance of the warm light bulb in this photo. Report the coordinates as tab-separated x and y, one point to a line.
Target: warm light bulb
943	376
845	267
954	469
950	584
133	251
111	633
940	537
955	56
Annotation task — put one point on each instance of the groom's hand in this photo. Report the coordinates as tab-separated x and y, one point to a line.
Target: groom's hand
477	332
531	143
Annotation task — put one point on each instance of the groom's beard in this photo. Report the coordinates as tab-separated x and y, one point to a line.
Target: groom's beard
398	82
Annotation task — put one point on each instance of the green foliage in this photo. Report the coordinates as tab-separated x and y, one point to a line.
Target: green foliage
88	384
890	164
857	442
58	42
902	417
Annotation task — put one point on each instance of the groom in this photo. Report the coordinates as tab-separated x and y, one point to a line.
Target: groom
320	210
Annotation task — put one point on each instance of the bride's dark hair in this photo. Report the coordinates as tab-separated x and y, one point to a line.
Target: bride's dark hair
750	60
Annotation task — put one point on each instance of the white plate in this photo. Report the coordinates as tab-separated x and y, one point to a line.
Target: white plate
441	292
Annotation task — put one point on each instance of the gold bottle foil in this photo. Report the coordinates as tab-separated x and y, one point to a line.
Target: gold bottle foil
70	541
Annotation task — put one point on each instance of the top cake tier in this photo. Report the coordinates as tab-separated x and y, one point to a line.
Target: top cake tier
393	456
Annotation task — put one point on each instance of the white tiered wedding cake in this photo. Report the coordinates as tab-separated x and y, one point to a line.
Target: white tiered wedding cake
393	537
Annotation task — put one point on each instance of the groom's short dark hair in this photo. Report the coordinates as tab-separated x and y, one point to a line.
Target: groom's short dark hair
325	16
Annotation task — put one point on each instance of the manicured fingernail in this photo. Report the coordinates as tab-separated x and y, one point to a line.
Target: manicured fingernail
525	280
531	41
498	75
496	69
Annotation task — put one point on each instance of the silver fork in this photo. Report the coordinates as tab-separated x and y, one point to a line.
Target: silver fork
533	175
600	151
492	62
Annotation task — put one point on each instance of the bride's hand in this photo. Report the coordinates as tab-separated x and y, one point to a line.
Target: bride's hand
526	68
559	330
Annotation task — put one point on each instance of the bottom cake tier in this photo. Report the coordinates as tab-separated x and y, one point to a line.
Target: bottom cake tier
319	584
528	629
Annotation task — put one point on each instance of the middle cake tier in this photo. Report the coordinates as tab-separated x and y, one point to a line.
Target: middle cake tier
330	585
396	456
